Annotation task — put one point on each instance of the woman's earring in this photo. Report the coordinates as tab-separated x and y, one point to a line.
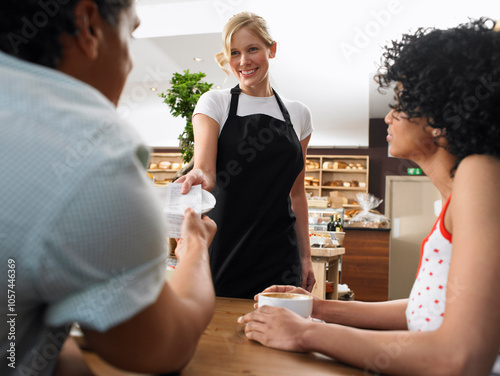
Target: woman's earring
436	132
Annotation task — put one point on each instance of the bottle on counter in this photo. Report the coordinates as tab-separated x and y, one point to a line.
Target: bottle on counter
338	224
331	225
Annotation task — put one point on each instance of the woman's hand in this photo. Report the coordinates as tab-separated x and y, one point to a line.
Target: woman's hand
194	177
276	327
292	290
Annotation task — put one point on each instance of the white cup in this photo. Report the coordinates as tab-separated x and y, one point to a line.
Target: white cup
299	303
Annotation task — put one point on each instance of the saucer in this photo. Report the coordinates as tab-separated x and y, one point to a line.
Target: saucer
207	201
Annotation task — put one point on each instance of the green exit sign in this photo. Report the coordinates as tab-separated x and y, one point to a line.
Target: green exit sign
414	171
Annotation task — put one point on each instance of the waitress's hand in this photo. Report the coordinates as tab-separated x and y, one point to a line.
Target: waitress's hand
194	177
308	279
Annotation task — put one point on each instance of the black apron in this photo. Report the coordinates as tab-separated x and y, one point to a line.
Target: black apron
258	159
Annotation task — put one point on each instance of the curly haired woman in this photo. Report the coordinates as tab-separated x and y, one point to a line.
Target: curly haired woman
446	117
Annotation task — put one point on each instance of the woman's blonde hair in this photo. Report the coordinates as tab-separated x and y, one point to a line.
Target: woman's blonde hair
256	24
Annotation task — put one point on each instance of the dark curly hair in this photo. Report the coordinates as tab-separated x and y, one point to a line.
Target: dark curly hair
31	29
451	77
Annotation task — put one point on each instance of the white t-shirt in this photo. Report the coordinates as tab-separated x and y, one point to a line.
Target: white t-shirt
216	103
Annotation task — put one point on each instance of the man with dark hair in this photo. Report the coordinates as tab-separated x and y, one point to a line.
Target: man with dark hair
81	230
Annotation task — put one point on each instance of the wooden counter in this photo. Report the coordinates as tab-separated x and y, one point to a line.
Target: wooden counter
365	266
224	350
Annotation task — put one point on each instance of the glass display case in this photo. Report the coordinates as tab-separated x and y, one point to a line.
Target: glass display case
319	218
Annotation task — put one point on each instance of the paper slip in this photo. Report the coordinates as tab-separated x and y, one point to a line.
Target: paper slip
176	204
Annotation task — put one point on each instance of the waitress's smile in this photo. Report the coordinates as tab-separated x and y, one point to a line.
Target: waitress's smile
248	73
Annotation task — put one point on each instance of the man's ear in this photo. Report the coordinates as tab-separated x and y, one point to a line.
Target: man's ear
88	28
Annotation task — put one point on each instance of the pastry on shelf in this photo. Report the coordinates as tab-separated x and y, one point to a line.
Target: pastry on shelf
311	165
334	183
165	165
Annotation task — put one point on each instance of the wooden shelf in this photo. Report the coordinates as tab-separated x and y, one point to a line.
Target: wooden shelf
322	175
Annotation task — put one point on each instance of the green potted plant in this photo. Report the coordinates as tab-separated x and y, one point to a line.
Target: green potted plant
182	97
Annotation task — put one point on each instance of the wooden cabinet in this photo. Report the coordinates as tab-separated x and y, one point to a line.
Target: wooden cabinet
164	166
365	264
347	175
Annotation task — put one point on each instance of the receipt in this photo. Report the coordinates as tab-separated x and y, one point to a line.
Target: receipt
175	204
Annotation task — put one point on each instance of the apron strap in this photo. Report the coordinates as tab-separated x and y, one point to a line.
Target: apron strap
235	95
284	111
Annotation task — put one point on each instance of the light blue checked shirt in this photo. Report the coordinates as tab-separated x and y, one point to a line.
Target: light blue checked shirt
78	217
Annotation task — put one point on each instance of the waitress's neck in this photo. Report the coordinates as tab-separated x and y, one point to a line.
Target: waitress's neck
258	90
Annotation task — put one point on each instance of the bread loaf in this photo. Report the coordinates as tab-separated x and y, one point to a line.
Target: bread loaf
339	165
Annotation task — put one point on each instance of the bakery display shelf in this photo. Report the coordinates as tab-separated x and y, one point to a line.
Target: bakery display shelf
321	171
164	175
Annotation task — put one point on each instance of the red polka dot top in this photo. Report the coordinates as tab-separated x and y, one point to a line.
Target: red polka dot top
425	310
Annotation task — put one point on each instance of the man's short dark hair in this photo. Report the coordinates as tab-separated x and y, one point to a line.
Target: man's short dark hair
31	29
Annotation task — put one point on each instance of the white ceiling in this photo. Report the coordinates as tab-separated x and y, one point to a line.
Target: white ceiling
327	56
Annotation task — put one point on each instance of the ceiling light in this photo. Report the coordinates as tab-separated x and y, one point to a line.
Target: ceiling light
153	89
218	87
198	59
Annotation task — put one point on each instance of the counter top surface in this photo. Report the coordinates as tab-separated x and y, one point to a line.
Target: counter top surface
224	350
366	228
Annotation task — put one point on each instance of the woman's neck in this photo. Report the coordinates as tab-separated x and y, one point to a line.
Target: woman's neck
262	90
438	169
